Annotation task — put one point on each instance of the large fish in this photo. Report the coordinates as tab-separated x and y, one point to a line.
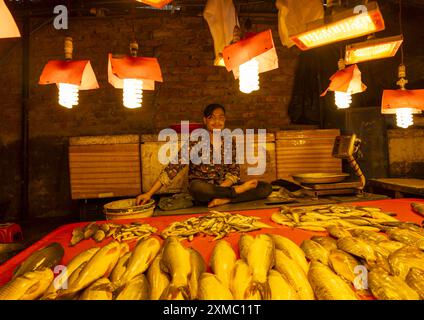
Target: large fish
120	268
402	260
99	266
222	261
140	259
294	274
61	281
198	266
210	288
280	287
343	264
327	242
176	262
244	243
338	232
99	290
292	250
29	286
48	257
241	278
314	251
261	259
357	247
135	289
368	235
390	245
327	285
415	279
387	287
407	236
158	280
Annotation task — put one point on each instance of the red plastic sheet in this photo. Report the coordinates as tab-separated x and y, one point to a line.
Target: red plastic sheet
203	244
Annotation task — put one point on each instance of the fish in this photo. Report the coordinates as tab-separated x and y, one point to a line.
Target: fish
294	275
176	262
402	260
406	236
357	248
384	286
99	266
368	235
244	243
158	280
222	261
415	279
29	286
136	289
99	290
241	278
327	285
314	251
291	249
391	245
61	281
198	266
418	208
120	268
210	288
141	258
77	236
280	287
343	264
327	242
261	259
338	232
48	257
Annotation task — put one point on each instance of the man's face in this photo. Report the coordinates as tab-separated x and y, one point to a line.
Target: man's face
216	120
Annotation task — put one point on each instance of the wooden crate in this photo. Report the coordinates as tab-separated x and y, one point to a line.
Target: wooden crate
306	151
107	166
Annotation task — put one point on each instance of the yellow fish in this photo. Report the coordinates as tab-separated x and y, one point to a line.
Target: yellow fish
222	261
135	289
198	266
241	279
158	279
99	290
210	288
291	249
280	287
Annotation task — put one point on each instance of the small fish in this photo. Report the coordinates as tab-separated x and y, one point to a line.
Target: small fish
99	290
327	242
357	247
314	251
77	236
415	279
158	279
338	232
29	286
291	249
343	264
48	257
244	243
261	259
241	278
176	262
387	287
402	260
135	289
327	285
294	274
368	235
407	236
198	266
390	245
222	261
210	288
280	287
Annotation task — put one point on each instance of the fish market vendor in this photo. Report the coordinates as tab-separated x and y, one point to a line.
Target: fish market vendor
212	183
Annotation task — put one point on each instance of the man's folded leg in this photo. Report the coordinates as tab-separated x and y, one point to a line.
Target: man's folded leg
203	191
262	190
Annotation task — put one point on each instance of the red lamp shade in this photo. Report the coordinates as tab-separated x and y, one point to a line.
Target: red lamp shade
400	99
259	46
346	80
156	3
8	27
142	68
76	72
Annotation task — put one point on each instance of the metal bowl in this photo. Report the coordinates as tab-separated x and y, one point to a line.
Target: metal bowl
320	177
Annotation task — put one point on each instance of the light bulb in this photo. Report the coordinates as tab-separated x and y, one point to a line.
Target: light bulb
343	99
133	93
68	95
404	117
249	76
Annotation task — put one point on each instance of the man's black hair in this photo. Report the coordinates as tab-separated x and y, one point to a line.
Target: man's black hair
211	108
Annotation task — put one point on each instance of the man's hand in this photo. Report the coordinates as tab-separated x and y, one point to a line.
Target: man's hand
143	198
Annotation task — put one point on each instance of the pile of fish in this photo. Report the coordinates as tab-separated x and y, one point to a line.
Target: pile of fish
120	232
319	218
217	224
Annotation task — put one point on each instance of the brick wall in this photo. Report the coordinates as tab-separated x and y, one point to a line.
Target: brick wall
184	48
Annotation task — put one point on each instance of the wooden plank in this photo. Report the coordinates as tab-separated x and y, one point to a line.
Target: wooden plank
116	165
104	148
105	170
103	140
307	134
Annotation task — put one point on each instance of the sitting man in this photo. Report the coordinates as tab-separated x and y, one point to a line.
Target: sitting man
215	184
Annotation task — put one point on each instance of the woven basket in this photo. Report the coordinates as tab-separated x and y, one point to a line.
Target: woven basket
127	209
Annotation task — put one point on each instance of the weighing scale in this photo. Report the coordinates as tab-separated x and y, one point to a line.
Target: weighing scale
319	184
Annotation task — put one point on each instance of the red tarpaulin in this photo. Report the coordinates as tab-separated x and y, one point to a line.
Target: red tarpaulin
204	245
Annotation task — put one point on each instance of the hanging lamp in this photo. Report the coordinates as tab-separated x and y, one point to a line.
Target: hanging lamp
155	3
8	27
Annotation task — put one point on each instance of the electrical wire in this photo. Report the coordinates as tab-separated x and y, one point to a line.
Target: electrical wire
401	30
